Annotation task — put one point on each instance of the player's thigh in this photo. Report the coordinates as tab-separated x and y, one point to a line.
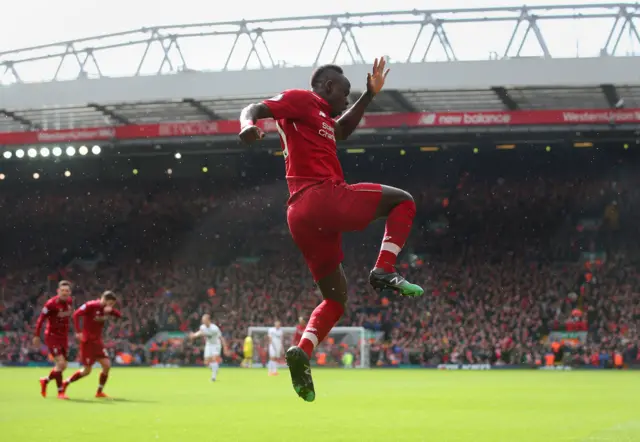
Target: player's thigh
338	206
57	349
360	201
211	351
322	250
86	355
274	351
350	207
104	362
61	359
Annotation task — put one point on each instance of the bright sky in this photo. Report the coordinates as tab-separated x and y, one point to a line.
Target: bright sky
33	22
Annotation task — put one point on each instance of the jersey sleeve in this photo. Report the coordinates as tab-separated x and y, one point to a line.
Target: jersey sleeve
290	104
82	311
46	311
116	313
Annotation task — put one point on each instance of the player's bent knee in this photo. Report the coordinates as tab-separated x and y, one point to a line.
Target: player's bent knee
405	196
391	197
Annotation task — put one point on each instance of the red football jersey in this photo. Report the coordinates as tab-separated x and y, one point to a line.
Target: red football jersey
57	313
307	135
94	319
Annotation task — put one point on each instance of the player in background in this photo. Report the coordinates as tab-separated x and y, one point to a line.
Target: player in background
213	344
56	312
94	314
247	352
322	205
299	331
276	349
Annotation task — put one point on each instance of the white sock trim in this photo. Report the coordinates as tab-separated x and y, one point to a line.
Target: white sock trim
391	247
311	337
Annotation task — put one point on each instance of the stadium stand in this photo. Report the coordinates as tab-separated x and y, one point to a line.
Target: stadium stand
513	251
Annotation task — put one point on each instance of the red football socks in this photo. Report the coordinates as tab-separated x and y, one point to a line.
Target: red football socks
322	320
396	232
103	380
57	376
74	377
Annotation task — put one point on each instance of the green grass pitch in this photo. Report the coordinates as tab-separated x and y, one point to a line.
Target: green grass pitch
182	405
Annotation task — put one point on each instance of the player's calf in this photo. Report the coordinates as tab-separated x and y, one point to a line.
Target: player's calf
214	364
400	210
104	376
83	372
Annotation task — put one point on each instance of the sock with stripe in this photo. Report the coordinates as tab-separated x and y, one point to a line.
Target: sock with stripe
322	320
396	232
74	377
103	380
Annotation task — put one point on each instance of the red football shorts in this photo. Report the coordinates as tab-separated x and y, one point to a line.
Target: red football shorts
318	216
57	346
90	352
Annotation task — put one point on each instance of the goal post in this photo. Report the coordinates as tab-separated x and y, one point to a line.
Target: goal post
342	345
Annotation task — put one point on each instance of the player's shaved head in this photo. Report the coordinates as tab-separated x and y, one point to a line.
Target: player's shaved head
329	82
325	73
206	318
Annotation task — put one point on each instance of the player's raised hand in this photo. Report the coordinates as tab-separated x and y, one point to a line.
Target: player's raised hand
375	79
250	133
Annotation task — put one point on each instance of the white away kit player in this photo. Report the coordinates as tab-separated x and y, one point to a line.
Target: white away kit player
214	342
276	348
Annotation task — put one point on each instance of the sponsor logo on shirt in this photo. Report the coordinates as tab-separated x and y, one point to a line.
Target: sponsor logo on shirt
327	131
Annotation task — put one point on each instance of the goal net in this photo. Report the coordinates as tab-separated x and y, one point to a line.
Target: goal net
345	347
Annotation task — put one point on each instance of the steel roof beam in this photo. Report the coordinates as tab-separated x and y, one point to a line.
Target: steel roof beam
505	97
109	113
625	17
432	22
202	108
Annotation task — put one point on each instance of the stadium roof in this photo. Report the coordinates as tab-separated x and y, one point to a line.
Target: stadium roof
507	82
507	85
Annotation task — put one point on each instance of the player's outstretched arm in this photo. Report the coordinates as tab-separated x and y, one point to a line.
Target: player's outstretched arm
249	116
351	118
196	334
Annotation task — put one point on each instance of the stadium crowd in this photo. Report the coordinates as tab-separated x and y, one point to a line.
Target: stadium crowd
517	266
